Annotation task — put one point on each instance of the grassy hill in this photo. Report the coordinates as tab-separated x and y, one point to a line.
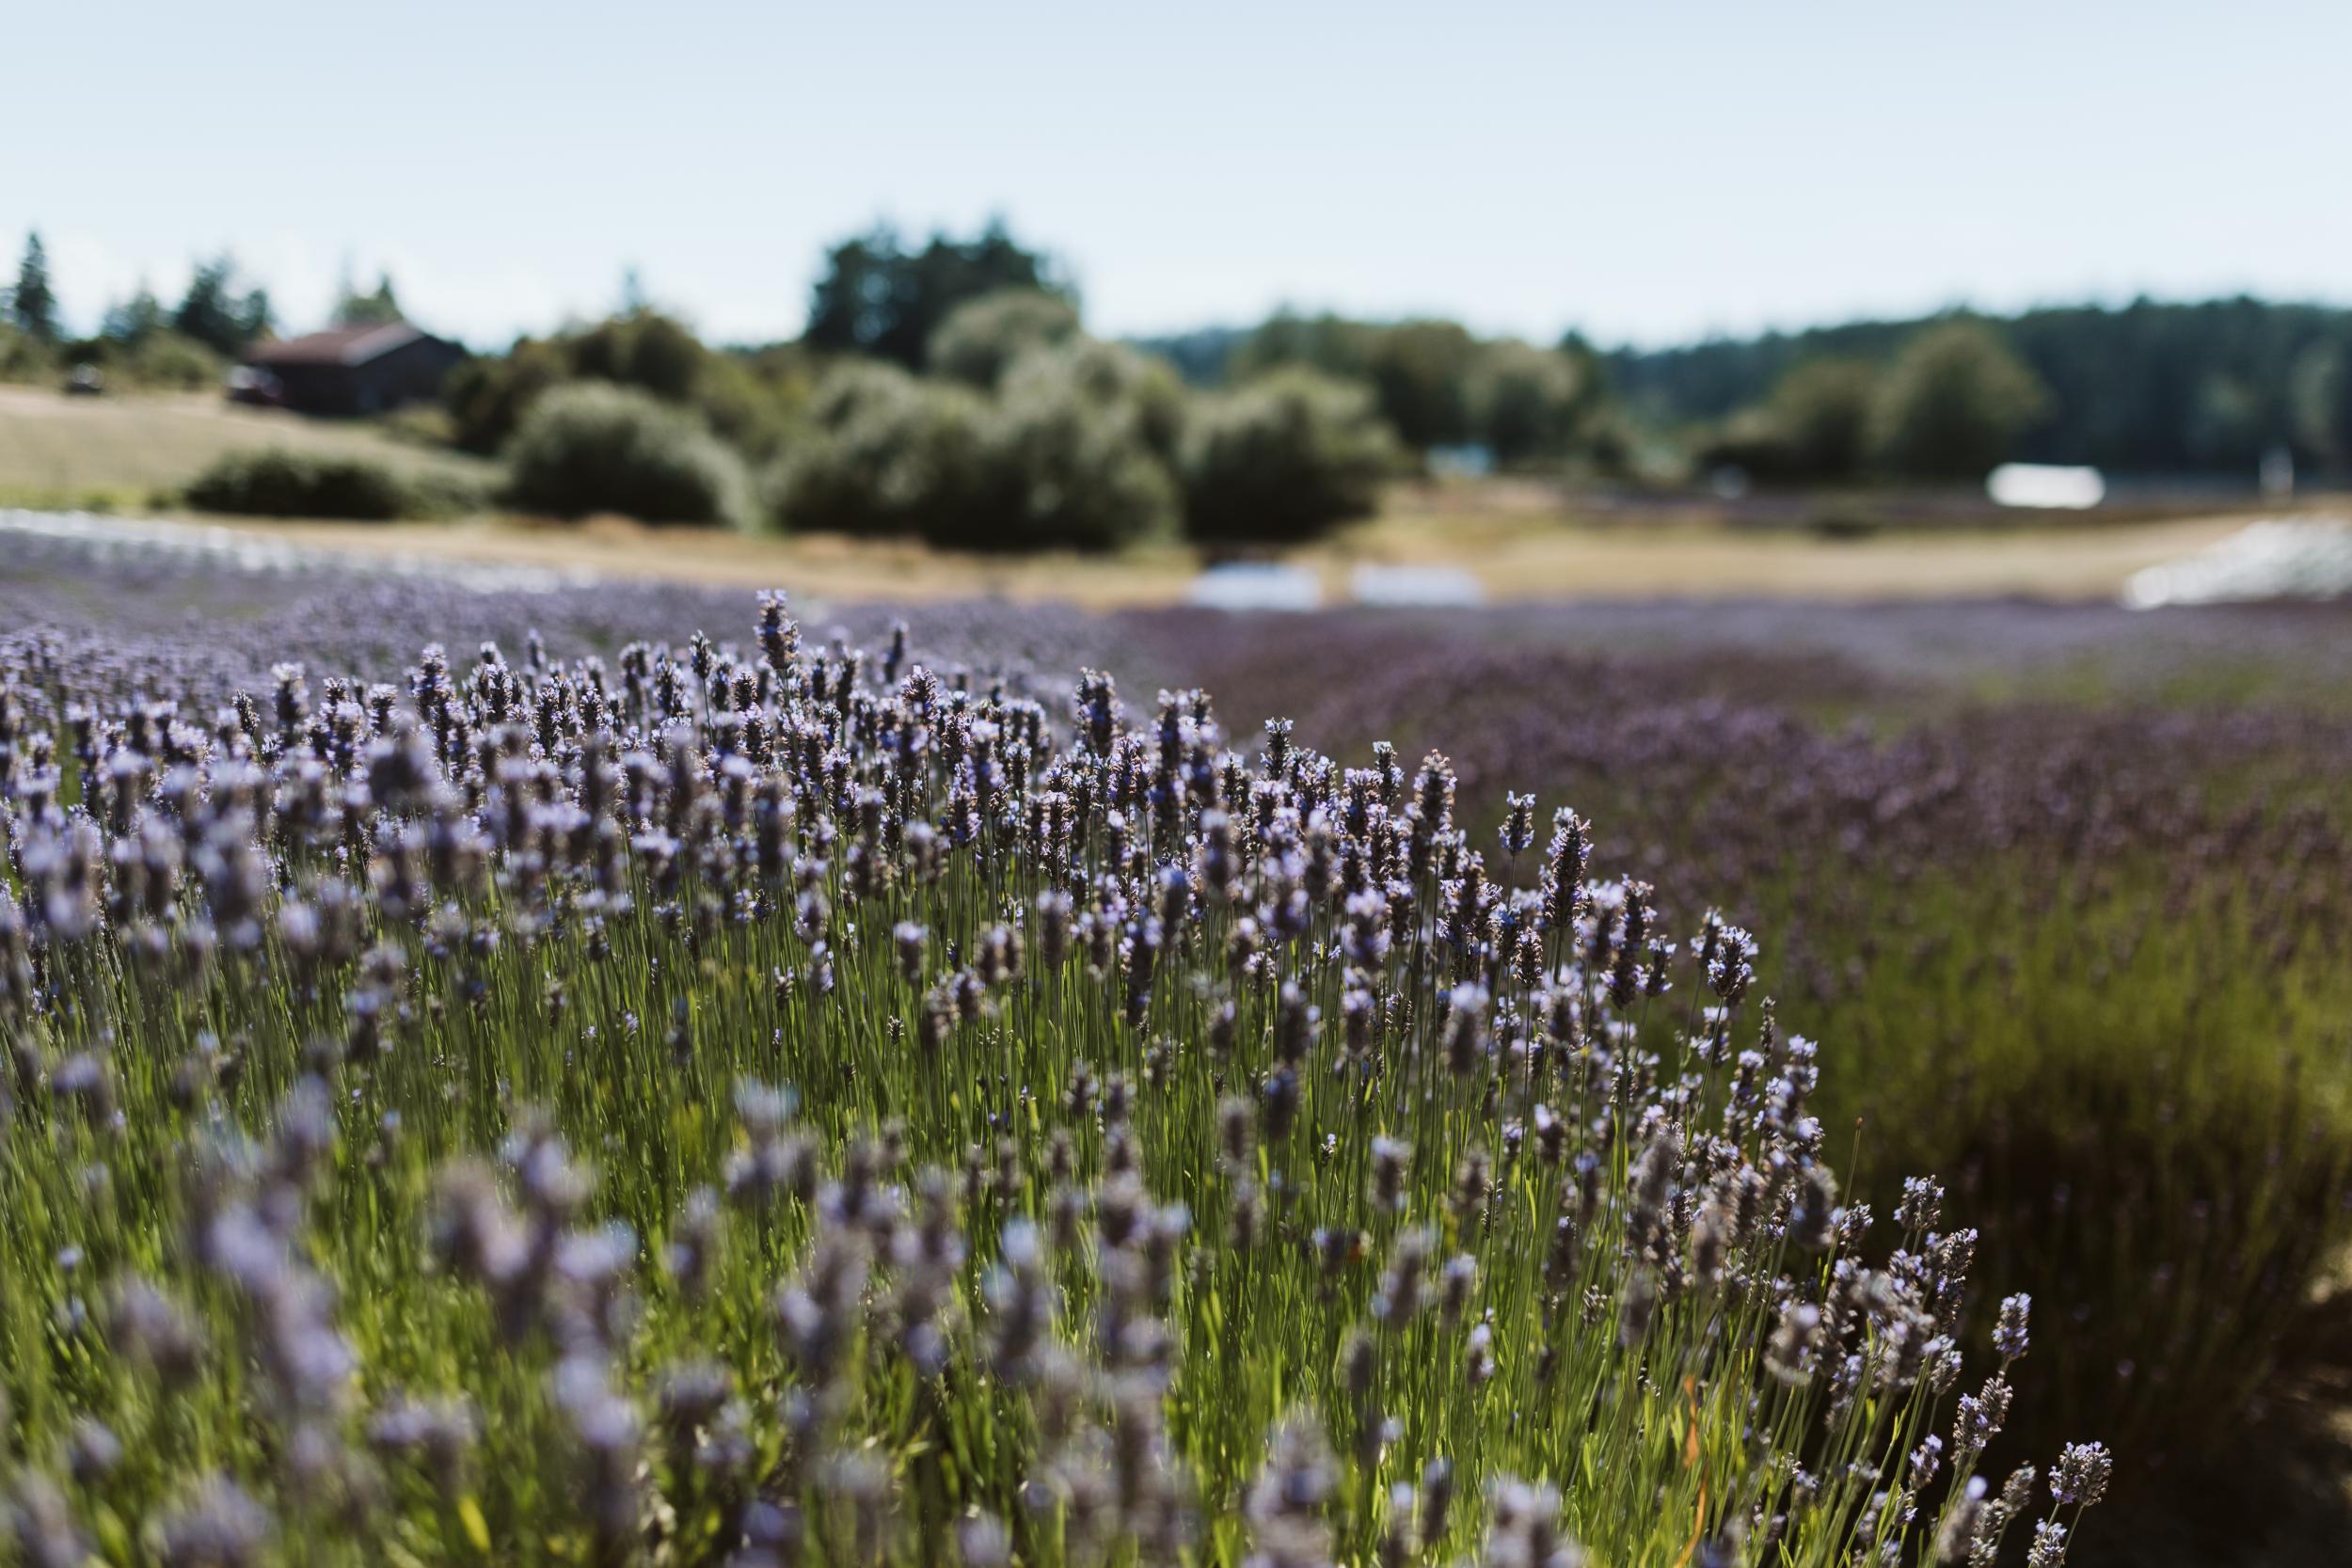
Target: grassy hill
121	452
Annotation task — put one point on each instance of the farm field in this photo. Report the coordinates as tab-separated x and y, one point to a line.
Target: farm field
1515	540
849	788
1511	555
1515	558
122	451
621	1111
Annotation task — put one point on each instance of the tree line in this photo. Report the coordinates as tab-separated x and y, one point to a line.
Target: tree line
144	341
948	391
946	386
2145	388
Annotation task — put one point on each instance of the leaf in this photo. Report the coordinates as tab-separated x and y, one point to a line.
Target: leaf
1689	1458
477	1528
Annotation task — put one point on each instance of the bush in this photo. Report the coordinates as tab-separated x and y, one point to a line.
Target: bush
275	482
1419	371
1147	388
980	339
590	447
747	399
1063	459
22	357
1526	402
1815	426
643	349
1952	403
753	402
488	395
1283	458
1068	461
883	453
1822	410
171	361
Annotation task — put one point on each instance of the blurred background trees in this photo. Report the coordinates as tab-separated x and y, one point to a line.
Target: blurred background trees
32	302
1951	405
879	297
216	313
593	447
1283	458
2145	388
1019	427
981	338
376	307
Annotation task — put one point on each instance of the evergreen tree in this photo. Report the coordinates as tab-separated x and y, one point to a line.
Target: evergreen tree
354	308
215	315
135	320
33	303
877	297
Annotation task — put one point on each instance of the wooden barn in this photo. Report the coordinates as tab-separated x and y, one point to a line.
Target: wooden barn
352	370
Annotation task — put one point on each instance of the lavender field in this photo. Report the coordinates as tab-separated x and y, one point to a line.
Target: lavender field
616	1074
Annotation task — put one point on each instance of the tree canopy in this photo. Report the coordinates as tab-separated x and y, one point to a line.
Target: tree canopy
33	301
373	309
215	315
2144	388
1952	405
877	296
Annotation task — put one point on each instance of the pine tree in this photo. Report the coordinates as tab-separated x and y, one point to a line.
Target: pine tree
33	303
215	315
354	308
135	320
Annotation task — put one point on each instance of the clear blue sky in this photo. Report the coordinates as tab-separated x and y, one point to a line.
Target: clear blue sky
1642	172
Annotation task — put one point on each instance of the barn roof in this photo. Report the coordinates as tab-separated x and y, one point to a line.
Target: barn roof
337	345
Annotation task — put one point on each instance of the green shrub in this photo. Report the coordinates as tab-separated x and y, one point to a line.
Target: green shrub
1814	427
748	399
22	357
643	349
1283	458
1064	458
419	424
1824	409
1067	463
170	361
1526	402
885	453
1419	371
982	338
487	395
591	447
157	360
1952	403
275	482
1148	388
753	402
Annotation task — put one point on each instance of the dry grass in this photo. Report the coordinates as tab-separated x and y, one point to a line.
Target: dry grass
1519	540
1539	556
1520	552
120	451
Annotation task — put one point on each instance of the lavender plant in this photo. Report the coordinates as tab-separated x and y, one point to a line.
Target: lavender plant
2086	958
774	1104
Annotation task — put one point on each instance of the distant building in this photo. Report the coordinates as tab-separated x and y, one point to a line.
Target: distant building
348	369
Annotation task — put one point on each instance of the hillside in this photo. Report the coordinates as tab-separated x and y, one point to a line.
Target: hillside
120	450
